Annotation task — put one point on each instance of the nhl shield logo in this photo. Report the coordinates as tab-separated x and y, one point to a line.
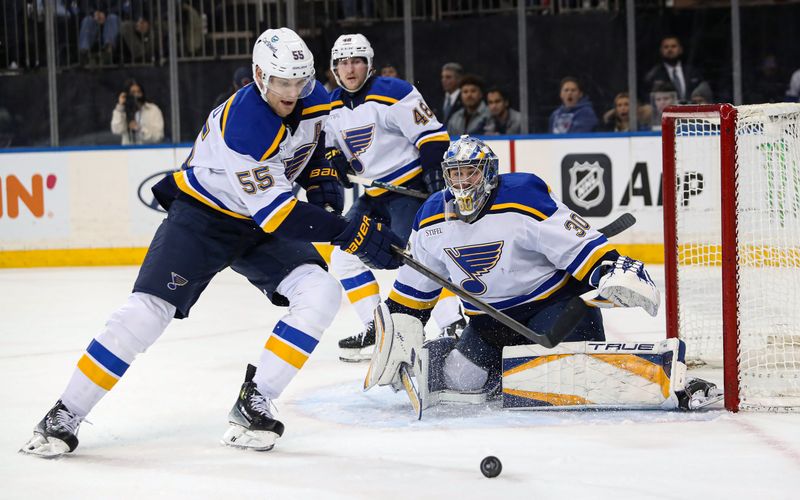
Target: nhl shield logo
586	183
586	186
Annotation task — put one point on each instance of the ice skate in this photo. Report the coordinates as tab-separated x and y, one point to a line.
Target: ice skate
358	347
253	423
55	435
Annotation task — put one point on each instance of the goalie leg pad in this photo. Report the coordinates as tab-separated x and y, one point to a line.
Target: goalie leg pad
583	375
398	339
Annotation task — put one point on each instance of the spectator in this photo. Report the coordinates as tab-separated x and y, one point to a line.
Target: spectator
617	119
100	29
389	70
768	84
241	77
663	95
683	77
504	120
793	92
451	83
474	115
575	113
139	39
136	119
702	94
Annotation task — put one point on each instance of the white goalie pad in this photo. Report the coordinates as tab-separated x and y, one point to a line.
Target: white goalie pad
594	375
398	339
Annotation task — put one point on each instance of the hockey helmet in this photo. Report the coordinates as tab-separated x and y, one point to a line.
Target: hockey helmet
470	173
351	45
287	66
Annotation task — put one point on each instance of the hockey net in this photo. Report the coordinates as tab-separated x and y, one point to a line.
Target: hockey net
732	246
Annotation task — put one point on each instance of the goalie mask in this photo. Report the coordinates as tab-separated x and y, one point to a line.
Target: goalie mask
287	66
470	173
347	46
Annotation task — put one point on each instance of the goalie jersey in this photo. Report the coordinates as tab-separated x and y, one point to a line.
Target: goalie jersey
246	157
524	247
382	129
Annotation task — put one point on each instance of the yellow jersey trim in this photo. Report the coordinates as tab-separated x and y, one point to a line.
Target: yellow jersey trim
412	303
286	352
184	186
275	143
519	206
596	254
279	216
96	374
380	98
225	114
317	108
436	137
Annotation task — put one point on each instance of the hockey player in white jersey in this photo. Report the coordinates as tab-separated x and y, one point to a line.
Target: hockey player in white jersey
383	130
231	205
509	241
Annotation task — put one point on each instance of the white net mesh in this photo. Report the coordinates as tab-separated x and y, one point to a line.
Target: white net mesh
768	244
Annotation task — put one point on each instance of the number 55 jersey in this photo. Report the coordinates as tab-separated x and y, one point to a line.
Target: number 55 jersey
246	157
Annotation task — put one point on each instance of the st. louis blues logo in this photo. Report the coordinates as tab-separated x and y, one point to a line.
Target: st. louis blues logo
293	165
475	261
358	140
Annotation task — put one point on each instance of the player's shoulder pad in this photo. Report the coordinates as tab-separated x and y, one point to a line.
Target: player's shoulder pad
386	90
526	194
249	126
318	103
432	211
335	97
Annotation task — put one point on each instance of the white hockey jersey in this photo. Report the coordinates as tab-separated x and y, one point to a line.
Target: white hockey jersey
246	157
524	248
381	128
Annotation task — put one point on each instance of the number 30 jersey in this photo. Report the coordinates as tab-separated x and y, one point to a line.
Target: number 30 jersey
246	157
381	128
525	247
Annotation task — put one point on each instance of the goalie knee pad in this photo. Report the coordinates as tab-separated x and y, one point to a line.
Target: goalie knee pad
461	374
437	350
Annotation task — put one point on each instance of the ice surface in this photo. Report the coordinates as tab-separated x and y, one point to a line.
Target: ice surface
156	435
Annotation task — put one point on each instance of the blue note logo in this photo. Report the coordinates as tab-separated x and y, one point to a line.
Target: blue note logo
475	261
177	280
291	166
358	140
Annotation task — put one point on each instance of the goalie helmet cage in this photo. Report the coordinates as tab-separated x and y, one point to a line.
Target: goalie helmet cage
732	246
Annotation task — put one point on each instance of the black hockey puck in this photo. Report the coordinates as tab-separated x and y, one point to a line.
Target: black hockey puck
491	466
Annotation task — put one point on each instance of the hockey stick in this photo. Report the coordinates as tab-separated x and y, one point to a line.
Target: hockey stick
389	187
573	313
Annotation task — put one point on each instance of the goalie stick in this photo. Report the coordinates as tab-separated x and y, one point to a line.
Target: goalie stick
389	187
572	314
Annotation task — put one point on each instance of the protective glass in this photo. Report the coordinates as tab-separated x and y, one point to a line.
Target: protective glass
291	88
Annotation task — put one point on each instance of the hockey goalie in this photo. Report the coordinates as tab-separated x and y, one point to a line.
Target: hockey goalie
508	240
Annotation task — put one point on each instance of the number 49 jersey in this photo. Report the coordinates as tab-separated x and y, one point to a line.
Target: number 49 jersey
380	129
524	248
246	157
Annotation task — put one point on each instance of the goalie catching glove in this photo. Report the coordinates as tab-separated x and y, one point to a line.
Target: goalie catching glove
398	341
623	283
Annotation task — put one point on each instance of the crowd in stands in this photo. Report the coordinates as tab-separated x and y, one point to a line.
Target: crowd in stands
467	110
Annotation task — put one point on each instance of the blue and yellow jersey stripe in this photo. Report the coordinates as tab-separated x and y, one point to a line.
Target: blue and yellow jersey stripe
588	257
432	136
338	103
412	298
432	211
290	344
525	194
273	215
398	177
187	182
272	150
502	208
362	286
543	291
101	366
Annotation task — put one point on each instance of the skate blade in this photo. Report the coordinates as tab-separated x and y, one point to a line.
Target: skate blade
43	447
238	437
356	355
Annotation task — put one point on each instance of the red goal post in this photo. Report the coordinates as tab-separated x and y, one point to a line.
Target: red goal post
732	245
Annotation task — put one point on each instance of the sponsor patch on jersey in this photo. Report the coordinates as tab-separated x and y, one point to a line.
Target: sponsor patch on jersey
475	261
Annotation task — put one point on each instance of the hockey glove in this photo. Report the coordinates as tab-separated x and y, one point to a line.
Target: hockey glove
371	242
623	283
339	163
433	179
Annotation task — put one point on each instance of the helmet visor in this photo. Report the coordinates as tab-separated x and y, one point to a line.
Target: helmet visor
291	89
